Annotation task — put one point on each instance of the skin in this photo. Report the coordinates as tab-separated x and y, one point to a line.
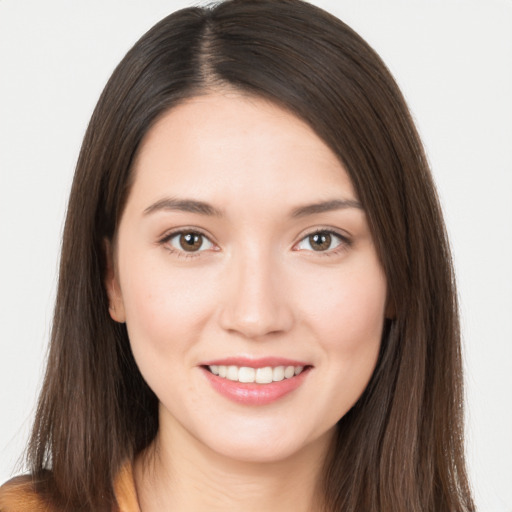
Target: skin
256	287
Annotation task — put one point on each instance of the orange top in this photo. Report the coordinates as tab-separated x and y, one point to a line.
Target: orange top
18	495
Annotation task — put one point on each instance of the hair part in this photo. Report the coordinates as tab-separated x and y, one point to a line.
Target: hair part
400	448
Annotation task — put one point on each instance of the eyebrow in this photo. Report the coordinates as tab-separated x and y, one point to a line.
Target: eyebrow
183	205
325	206
203	208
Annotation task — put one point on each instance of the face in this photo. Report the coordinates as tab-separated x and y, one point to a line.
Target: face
246	274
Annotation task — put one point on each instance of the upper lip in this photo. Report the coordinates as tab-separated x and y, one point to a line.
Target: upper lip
260	362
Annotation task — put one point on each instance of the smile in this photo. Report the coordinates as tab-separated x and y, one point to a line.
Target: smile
255	381
247	374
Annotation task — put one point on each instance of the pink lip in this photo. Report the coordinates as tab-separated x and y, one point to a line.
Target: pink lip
260	362
252	393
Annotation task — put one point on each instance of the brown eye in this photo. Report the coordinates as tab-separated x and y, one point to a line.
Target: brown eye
320	241
190	241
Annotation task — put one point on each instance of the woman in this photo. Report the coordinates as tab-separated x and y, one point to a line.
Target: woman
256	307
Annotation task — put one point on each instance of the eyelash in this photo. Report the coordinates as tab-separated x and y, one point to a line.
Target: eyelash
164	241
344	242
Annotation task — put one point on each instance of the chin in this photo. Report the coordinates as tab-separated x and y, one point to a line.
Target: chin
264	446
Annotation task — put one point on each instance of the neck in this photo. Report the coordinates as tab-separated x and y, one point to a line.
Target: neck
178	473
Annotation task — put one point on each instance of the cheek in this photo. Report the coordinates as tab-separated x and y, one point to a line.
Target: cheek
165	314
346	316
347	309
165	309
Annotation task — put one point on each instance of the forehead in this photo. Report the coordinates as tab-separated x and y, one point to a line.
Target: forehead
228	142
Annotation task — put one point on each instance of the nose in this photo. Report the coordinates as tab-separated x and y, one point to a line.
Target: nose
256	302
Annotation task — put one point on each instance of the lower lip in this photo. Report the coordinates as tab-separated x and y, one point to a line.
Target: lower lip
255	394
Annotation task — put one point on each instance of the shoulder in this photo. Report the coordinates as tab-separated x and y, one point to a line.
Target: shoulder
20	495
29	494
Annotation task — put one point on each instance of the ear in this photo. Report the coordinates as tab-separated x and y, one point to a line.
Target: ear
115	297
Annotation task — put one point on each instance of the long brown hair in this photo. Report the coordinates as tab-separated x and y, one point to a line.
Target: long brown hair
400	448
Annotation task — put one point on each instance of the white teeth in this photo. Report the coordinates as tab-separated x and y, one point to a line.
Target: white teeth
246	374
278	373
232	373
289	372
264	375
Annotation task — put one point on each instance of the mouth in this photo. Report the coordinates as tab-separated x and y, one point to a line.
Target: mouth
255	382
250	375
